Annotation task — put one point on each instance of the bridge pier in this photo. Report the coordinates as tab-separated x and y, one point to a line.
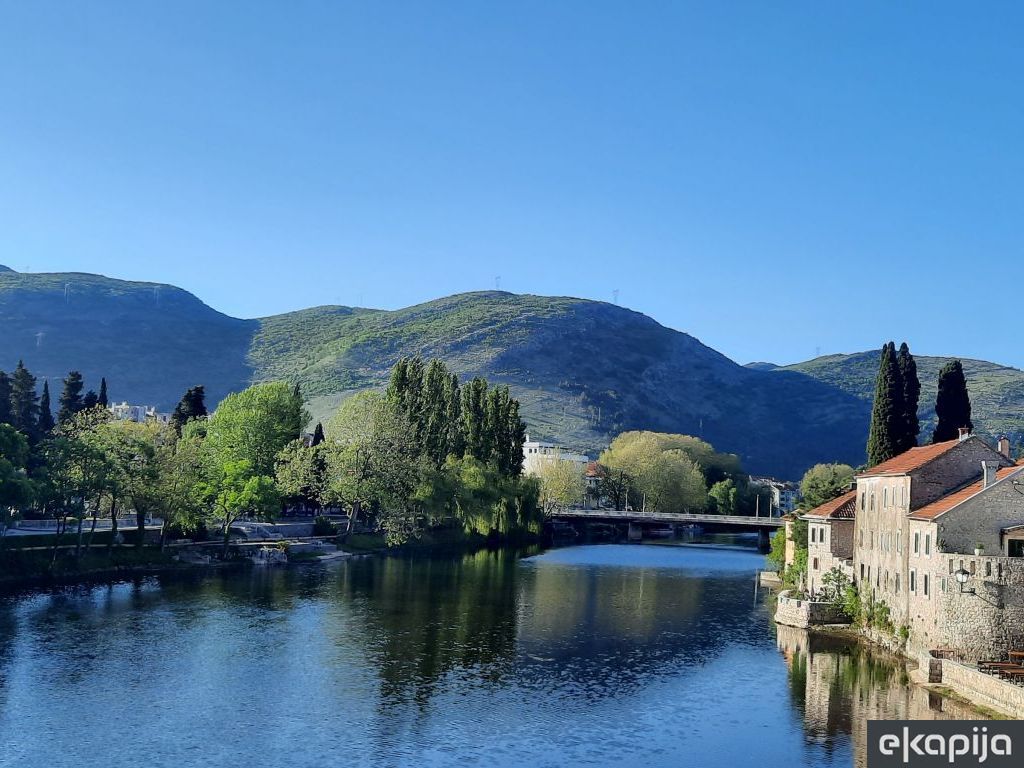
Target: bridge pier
636	533
764	540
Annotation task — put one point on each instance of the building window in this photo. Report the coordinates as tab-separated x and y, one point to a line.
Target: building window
863	496
928	545
899	541
897	583
815	563
951	568
913	581
926	579
917	543
872	502
943	585
988	568
862	537
862	571
885	497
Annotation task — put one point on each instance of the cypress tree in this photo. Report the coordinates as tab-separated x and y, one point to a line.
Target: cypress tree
70	401
318	434
102	400
911	395
46	423
453	417
90	400
886	413
24	402
5	398
952	403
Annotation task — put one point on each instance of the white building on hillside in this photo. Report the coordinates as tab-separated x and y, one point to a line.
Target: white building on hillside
536	454
138	413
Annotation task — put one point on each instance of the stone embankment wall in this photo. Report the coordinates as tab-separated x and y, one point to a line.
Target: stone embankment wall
986	690
805	613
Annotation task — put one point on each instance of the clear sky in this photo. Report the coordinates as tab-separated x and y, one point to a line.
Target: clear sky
774	178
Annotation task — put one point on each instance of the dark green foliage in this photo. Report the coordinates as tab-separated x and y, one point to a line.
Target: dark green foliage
478	421
90	400
887	411
191	406
952	403
318	434
911	395
5	398
103	399
46	422
24	402
70	397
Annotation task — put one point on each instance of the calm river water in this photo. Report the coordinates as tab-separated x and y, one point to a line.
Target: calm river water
592	655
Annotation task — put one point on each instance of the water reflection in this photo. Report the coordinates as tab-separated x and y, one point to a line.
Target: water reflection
597	654
838	685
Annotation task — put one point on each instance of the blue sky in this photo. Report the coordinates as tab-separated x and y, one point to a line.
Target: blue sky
775	178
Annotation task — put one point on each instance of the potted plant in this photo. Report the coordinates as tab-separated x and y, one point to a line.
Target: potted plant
979	549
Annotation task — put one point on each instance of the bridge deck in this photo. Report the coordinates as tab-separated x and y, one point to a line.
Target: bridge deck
670	517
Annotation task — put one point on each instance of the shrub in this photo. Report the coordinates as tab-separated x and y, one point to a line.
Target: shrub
324	527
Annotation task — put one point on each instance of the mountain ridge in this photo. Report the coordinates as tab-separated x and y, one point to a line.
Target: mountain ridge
583	369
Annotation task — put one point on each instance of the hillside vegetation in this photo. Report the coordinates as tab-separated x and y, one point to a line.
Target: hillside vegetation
583	370
997	391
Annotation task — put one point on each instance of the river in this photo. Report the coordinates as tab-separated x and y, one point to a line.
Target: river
648	655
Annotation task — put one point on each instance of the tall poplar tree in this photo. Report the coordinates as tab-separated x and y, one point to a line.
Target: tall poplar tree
5	398
952	403
103	399
46	422
24	402
911	396
887	411
70	401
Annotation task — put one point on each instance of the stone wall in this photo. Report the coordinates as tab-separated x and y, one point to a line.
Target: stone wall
987	690
979	626
792	612
952	470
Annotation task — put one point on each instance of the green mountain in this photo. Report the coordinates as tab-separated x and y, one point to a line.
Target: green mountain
997	391
584	370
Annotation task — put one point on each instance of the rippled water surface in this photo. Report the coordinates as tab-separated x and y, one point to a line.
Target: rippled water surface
594	655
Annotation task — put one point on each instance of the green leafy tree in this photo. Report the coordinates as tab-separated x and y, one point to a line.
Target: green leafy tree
909	400
725	497
952	403
70	401
103	399
301	473
254	425
318	434
16	490
233	490
887	412
824	482
46	422
563	484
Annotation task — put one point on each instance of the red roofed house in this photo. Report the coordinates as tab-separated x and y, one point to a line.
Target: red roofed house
898	545
830	539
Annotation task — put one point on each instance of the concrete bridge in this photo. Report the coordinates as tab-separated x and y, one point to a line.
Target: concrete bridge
637	521
752	522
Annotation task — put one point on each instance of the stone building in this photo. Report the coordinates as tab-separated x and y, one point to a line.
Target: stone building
830	539
888	495
537	454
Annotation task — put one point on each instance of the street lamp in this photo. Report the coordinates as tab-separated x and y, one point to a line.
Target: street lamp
962	576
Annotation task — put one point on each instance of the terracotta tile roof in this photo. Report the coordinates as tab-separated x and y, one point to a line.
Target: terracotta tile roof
842	508
946	503
910	460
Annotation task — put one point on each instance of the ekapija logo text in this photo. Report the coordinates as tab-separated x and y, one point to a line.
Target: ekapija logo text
974	748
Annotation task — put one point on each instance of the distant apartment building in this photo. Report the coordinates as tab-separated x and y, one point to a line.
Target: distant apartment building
536	454
785	496
138	413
